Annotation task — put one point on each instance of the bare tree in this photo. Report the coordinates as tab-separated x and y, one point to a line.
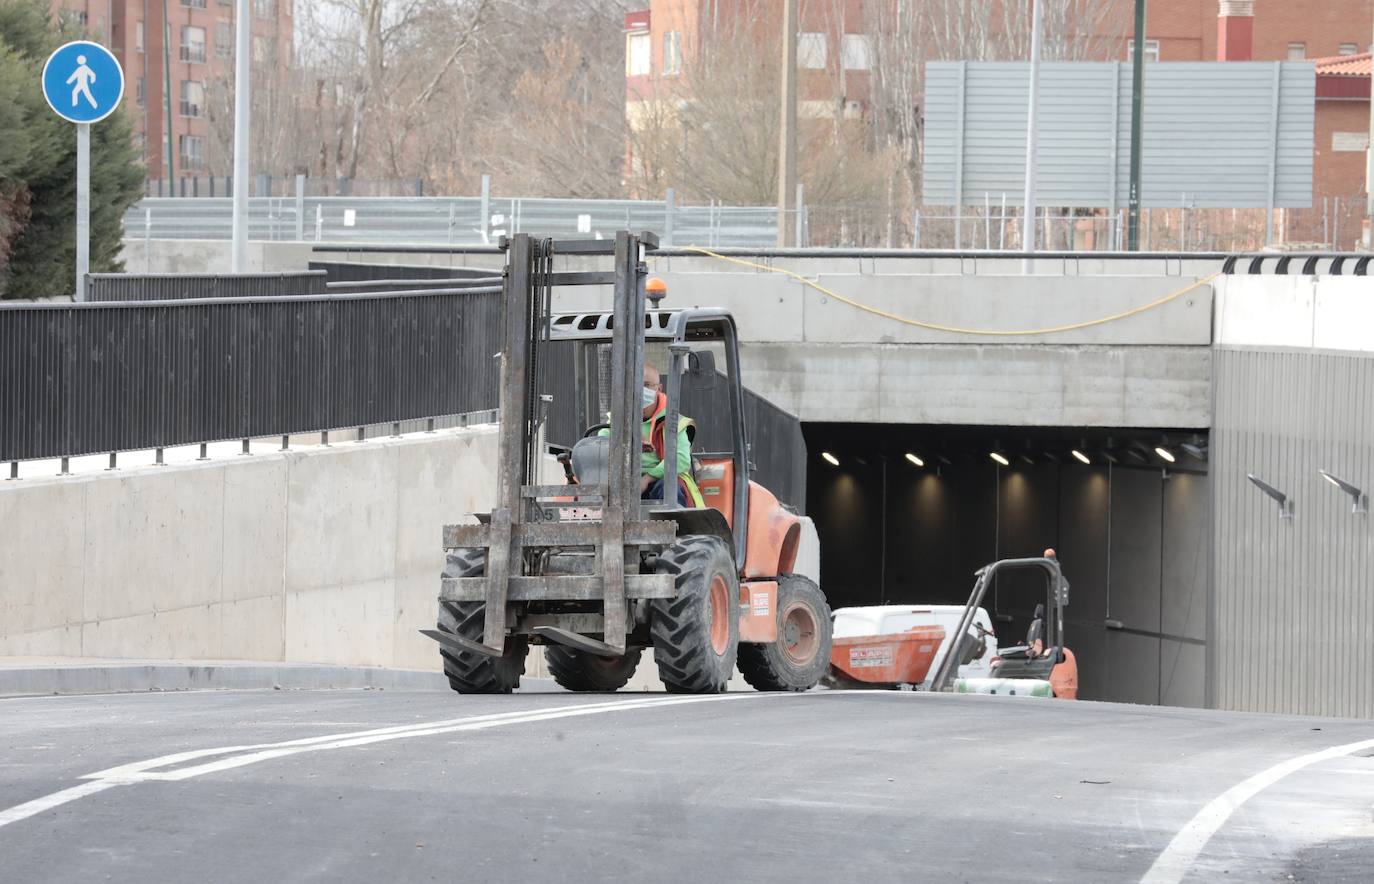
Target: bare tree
907	34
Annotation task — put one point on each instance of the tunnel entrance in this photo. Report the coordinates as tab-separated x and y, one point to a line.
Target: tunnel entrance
907	513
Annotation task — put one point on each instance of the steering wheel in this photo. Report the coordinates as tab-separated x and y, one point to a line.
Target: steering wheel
594	429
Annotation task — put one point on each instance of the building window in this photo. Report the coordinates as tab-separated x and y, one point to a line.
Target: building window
856	51
141	93
264	49
637	55
1349	49
1151	50
811	51
193	4
1297	51
672	53
192	151
192	98
138	36
224	40
265	8
192	43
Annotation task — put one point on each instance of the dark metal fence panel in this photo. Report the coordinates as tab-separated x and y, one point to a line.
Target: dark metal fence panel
777	450
121	375
345	271
89	378
168	286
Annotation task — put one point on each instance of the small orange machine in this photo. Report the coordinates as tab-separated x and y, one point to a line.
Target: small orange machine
886	660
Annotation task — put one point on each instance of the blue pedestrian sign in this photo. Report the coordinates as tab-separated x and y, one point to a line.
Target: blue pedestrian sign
83	82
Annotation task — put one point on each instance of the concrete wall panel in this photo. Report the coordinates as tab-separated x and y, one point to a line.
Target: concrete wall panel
327	555
255	535
42	564
991	385
178	511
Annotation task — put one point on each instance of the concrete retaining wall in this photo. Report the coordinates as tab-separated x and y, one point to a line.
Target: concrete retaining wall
320	555
328	555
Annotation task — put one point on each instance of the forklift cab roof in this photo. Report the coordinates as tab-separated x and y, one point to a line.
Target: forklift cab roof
686	325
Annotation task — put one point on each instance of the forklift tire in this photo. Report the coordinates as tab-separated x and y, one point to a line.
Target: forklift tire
696	634
800	657
468	671
579	671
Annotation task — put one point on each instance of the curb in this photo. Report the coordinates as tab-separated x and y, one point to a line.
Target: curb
34	681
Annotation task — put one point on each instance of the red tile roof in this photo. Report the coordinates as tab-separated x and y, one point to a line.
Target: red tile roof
1343	65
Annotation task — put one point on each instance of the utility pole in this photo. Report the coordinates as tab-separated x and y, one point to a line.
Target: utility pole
787	129
238	250
1137	111
1032	104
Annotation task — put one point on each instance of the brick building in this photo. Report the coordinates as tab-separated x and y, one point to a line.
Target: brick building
1334	34
834	51
199	52
1192	30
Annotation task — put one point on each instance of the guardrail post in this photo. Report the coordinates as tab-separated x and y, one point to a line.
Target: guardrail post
485	209
113	463
158	458
668	206
14	470
300	208
324	438
66	467
245	448
204	452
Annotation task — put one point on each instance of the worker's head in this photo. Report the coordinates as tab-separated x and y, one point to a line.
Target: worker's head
650	395
1050	554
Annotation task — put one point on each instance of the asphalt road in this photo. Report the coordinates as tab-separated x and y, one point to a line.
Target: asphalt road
830	785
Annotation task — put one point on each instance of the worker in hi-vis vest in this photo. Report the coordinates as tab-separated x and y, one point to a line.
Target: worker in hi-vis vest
652	446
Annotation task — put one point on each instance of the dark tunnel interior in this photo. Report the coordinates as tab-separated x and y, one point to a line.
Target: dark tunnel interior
908	513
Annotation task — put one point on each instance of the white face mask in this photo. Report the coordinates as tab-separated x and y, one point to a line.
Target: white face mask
649	397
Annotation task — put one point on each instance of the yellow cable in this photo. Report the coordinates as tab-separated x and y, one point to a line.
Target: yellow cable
934	326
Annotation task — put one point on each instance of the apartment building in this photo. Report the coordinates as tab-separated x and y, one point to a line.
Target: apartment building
173	52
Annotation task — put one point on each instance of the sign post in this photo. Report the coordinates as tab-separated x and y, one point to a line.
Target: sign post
83	83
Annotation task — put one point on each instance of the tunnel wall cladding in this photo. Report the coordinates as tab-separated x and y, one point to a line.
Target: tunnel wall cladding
1294	596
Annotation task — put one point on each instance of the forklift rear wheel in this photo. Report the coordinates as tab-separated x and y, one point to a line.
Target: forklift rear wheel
696	634
579	671
801	655
468	671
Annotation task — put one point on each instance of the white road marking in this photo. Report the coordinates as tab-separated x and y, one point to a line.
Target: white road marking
56	799
239	756
1174	863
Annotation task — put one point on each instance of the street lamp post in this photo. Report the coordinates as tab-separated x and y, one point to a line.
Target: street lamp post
238	250
1137	109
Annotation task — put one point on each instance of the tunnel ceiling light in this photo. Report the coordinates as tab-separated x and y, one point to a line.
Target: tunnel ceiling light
1081	457
1285	505
830	458
1165	454
1027	458
1000	458
1196	449
1361	499
915	461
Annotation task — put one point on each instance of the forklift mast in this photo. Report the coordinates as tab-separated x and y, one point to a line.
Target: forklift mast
528	284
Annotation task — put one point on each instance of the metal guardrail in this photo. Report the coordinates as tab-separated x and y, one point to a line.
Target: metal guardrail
168	286
119	376
447	220
110	376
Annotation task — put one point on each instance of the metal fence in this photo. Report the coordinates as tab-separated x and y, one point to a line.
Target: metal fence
1333	223
168	286
118	376
448	220
110	376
